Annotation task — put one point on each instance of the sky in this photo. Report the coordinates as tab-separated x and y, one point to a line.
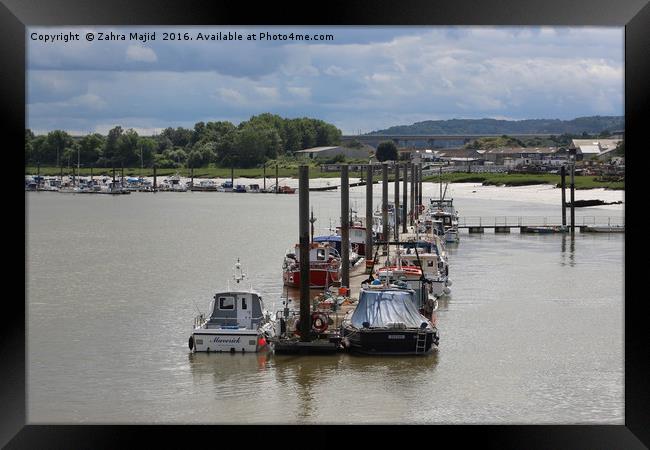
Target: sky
365	79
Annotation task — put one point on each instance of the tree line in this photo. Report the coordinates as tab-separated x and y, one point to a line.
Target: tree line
249	144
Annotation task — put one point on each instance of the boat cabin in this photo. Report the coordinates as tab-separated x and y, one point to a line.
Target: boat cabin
430	263
241	309
318	252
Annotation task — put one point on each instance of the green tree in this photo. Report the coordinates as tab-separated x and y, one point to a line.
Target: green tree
112	145
128	151
293	141
91	147
29	137
147	148
386	151
39	150
195	159
56	143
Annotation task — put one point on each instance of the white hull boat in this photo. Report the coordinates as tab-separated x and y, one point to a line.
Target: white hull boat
237	322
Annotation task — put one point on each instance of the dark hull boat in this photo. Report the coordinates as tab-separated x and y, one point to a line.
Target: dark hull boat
386	322
390	342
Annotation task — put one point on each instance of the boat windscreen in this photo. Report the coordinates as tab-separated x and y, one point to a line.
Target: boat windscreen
382	308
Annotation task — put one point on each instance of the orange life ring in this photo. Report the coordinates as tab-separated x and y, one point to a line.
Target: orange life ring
319	323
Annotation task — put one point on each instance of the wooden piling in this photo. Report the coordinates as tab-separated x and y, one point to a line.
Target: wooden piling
405	197
412	203
276	179
573	200
368	250
303	221
155	184
420	185
345	226
384	204
563	186
397	210
415	192
264	174
191	177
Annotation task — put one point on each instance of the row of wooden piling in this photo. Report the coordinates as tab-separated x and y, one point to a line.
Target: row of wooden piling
303	220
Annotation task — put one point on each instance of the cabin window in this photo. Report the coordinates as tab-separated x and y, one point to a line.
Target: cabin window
243	303
429	263
226	303
320	254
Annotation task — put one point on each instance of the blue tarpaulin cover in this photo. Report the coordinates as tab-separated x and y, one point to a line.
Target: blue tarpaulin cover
383	307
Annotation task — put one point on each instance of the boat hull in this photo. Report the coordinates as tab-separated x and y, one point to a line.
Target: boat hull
318	278
387	342
224	340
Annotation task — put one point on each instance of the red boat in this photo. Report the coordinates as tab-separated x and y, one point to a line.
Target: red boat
324	266
286	190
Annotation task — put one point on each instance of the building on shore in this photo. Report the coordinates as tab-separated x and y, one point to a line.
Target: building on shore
593	148
363	152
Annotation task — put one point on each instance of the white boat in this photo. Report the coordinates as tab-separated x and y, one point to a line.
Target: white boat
174	184
236	321
433	260
205	185
444	211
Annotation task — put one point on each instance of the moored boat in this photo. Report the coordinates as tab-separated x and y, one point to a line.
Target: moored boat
324	266
386	321
286	190
204	186
236	322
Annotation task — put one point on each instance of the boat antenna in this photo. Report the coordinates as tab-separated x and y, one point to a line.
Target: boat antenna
237	272
445	193
197	308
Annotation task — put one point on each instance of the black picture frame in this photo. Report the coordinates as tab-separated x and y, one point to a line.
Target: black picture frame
634	15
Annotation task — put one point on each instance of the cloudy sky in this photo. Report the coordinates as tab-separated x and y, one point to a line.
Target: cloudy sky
367	78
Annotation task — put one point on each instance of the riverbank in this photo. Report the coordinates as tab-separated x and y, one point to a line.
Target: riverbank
504	179
487	179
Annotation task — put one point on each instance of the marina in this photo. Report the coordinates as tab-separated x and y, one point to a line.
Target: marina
490	339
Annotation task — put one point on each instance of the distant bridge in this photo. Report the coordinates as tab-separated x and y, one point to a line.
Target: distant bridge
375	139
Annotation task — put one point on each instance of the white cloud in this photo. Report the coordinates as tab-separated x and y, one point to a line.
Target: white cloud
231	96
140	53
267	92
301	92
409	74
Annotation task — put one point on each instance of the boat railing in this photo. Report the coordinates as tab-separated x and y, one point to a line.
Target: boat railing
199	320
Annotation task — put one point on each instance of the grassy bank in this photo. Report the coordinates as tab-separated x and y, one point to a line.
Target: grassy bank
503	179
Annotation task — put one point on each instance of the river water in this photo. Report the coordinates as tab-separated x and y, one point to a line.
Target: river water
532	333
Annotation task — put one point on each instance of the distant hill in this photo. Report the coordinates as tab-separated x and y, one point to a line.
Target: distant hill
579	125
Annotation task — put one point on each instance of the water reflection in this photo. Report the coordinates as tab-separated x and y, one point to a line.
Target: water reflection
317	383
572	248
227	368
